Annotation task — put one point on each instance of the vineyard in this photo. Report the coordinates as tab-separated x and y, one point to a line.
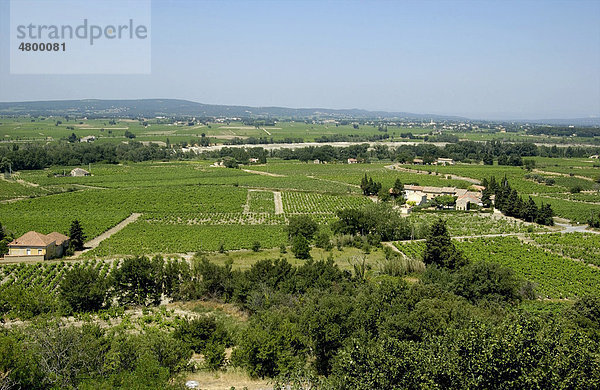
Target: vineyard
261	202
250	218
11	189
580	246
468	224
577	212
147	237
47	275
304	202
412	249
555	276
589	197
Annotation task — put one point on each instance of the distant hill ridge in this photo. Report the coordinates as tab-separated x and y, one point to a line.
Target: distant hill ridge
178	107
150	108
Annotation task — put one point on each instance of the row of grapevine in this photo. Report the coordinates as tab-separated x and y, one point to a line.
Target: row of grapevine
46	275
580	246
305	202
556	276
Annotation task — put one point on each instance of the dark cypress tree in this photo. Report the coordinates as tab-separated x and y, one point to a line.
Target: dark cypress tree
364	185
531	210
493	184
440	250
545	215
77	238
398	188
511	205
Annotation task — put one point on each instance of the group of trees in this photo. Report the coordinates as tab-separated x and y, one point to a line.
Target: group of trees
376	222
301	232
369	186
460	326
511	204
34	156
53	354
594	220
23	157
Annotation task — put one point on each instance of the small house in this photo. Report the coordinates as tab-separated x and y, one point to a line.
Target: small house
78	172
417	161
465	201
253	160
352	161
34	246
87	138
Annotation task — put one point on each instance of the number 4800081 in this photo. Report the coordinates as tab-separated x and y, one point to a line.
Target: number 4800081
42	46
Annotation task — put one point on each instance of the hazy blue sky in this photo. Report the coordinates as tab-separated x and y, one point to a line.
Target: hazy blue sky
482	59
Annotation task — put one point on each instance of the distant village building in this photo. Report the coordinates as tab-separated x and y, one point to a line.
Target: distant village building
34	246
418	161
352	161
444	161
317	161
88	138
253	160
594	156
79	172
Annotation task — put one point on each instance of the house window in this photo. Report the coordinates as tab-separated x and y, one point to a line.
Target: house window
39	251
28	251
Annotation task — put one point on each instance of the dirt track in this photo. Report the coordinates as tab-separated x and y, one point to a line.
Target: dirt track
94	242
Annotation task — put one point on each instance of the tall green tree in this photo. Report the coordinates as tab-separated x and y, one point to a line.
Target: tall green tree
77	237
440	250
84	290
135	282
301	247
302	225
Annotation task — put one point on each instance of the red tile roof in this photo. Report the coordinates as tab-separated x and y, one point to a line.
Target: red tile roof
37	239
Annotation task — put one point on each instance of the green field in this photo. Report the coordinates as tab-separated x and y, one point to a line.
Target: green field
27	129
555	276
190	206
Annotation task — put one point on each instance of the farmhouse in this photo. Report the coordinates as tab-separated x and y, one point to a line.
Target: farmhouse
417	197
432	192
79	172
420	194
418	161
352	161
34	246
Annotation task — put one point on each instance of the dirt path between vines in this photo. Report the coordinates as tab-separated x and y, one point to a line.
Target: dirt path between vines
278	202
263	173
94	242
454	177
333	181
20	181
550	173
